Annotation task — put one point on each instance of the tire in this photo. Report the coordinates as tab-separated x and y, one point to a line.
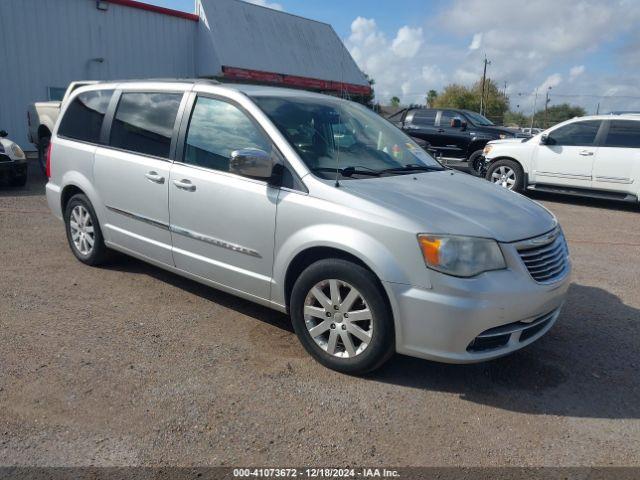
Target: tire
474	162
43	144
336	346
506	173
94	254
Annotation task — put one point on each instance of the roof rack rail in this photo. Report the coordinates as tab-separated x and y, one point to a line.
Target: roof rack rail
168	80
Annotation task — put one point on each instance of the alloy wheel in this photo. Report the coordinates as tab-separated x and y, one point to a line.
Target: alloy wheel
504	176
82	231
338	318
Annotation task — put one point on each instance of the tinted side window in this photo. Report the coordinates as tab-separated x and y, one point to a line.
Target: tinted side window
446	117
582	134
425	118
83	117
216	129
623	133
144	122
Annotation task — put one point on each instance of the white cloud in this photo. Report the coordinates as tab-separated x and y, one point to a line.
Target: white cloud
265	3
407	42
402	66
575	72
527	46
551	81
476	42
433	74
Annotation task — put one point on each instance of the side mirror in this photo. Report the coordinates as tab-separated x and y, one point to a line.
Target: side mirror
464	124
3	134
456	123
252	162
544	140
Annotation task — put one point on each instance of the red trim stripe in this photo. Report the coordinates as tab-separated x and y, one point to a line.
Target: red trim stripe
293	80
156	9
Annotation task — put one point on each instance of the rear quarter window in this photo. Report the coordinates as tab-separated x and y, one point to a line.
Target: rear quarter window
624	134
144	122
426	118
84	116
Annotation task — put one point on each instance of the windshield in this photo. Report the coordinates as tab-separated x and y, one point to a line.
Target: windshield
478	119
332	135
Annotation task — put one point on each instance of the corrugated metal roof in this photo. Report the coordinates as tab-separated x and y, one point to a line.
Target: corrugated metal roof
252	37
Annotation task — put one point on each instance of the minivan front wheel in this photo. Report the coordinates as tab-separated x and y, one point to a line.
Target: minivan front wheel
507	174
83	231
340	316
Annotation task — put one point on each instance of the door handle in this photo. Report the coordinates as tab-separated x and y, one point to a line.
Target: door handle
585	153
185	184
154	177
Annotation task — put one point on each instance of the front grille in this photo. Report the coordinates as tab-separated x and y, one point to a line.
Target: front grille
4	158
499	337
545	257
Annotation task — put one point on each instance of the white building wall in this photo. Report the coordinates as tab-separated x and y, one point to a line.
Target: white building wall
50	43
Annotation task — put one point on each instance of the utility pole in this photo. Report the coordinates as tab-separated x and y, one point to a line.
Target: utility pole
533	114
598	109
484	79
546	106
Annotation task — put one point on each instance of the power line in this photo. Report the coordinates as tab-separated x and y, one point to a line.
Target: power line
574	95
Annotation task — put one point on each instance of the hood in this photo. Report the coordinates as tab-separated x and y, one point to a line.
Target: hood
507	140
456	203
493	129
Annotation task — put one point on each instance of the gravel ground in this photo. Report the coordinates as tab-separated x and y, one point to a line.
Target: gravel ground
130	365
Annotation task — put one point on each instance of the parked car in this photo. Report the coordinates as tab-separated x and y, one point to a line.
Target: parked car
453	133
13	163
42	116
530	131
596	156
310	205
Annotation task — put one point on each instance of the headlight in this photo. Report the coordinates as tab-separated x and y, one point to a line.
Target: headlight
487	149
461	256
17	151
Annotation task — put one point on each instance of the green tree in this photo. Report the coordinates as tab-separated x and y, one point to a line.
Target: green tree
496	103
556	114
367	100
431	98
516	119
457	96
395	101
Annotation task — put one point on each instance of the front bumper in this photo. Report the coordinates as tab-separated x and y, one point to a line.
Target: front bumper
472	320
12	168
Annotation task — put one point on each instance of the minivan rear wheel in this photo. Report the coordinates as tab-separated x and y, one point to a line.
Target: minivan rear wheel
340	316
83	231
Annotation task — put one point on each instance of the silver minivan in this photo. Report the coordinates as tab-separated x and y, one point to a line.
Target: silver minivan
310	205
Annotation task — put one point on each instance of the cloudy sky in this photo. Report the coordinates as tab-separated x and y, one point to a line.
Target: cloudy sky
588	51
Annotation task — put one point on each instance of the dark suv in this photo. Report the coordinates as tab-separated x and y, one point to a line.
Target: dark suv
454	133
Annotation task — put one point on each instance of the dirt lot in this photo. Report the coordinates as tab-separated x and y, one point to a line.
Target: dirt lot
130	365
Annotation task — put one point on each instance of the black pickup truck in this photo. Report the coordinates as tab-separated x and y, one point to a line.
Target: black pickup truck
453	133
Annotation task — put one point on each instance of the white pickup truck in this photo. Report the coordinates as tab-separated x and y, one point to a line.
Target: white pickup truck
42	117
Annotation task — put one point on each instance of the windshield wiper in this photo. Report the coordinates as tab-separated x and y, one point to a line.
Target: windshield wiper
349	171
412	168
